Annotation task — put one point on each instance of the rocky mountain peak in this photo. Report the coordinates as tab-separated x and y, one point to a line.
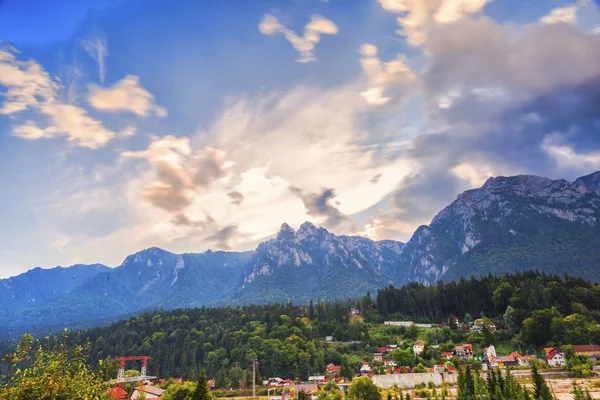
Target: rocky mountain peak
286	232
308	229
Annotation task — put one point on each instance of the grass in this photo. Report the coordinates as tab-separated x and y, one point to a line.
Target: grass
506	348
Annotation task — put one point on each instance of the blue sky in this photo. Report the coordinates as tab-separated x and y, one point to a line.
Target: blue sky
192	125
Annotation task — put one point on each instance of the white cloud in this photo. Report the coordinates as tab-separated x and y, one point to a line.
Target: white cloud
313	141
30	87
305	45
97	49
381	75
567	15
476	175
417	15
125	95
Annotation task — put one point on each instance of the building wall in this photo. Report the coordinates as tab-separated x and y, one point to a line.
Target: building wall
411	380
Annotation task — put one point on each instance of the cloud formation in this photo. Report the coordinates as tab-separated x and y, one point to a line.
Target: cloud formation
29	88
381	75
179	172
305	45
418	15
321	205
125	95
97	49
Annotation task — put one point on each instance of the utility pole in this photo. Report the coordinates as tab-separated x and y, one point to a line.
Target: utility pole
254	362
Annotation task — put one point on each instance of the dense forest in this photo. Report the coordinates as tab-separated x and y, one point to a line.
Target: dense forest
530	309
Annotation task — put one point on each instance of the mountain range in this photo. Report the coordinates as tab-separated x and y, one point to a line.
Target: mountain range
510	223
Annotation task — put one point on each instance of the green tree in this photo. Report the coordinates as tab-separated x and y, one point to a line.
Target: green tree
51	373
202	392
302	395
346	370
540	388
363	388
221	379
182	391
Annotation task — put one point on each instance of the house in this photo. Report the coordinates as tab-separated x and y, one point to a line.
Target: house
382	349
316	379
464	351
117	394
447	355
506	361
329	338
365	369
354	311
556	358
273	382
378	357
489	352
590	350
481	323
389	363
333	370
526	361
418	348
149	392
392	347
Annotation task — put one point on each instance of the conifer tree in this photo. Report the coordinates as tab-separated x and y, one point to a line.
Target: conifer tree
202	392
540	388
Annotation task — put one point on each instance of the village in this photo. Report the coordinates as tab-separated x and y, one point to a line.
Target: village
415	367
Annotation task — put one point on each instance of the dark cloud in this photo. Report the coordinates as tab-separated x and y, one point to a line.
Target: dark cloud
236	197
174	186
210	167
510	92
222	237
182	219
170	194
321	204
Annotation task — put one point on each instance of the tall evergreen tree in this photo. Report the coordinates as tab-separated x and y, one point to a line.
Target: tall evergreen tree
202	392
540	388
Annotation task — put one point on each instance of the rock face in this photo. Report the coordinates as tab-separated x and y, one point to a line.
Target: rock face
510	223
591	181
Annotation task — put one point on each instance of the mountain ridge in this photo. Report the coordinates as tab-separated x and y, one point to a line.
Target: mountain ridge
508	224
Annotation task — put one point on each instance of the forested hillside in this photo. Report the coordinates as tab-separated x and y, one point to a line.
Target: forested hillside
289	340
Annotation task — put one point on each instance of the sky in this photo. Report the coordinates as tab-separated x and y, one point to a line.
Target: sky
195	125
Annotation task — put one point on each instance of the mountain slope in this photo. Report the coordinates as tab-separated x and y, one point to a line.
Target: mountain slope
310	264
316	264
42	285
510	223
591	181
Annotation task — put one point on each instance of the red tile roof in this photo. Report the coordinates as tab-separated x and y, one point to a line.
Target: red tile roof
117	393
586	348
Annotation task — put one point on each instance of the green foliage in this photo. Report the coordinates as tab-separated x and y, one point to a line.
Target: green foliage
49	373
579	365
540	388
202	392
363	388
181	391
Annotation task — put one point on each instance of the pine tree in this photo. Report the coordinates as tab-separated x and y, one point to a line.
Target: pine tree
540	389
221	379
202	392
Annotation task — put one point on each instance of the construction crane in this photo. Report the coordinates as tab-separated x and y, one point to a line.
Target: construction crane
140	378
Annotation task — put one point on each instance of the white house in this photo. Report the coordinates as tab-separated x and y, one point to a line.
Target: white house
365	370
556	358
418	348
490	351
